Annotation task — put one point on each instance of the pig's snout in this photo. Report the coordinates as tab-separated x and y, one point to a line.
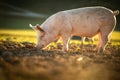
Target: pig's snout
38	46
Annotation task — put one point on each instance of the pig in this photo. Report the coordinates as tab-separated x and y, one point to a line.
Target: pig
85	22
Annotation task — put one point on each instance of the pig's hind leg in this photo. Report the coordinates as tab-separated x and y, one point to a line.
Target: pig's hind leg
104	39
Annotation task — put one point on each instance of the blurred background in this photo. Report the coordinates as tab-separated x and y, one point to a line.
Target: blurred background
17	14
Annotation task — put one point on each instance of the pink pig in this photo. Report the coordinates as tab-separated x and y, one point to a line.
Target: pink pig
85	22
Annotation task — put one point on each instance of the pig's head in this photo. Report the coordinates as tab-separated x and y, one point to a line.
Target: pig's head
42	37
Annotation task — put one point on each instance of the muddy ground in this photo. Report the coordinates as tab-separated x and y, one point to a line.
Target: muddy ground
21	61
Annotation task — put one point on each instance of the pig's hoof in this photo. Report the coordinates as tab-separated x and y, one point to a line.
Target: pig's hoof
64	51
95	49
100	50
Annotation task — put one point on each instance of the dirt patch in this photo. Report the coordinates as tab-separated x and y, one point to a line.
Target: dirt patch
21	61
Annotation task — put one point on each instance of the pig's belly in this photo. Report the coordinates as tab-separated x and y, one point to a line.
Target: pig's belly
87	31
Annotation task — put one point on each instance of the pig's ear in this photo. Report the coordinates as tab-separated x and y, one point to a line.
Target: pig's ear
39	28
33	27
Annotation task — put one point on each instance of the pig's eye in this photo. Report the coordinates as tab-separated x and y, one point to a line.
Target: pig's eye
42	36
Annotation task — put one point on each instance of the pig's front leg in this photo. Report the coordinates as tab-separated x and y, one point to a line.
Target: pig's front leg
99	43
65	39
82	41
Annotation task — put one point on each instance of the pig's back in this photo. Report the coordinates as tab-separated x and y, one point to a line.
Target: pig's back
87	21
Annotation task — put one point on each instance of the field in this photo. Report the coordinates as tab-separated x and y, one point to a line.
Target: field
19	59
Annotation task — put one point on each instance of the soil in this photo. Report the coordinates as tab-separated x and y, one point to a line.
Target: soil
21	61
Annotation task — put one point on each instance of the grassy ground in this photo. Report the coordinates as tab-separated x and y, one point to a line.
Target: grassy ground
19	60
30	36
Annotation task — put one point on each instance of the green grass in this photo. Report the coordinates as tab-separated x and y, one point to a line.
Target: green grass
30	36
